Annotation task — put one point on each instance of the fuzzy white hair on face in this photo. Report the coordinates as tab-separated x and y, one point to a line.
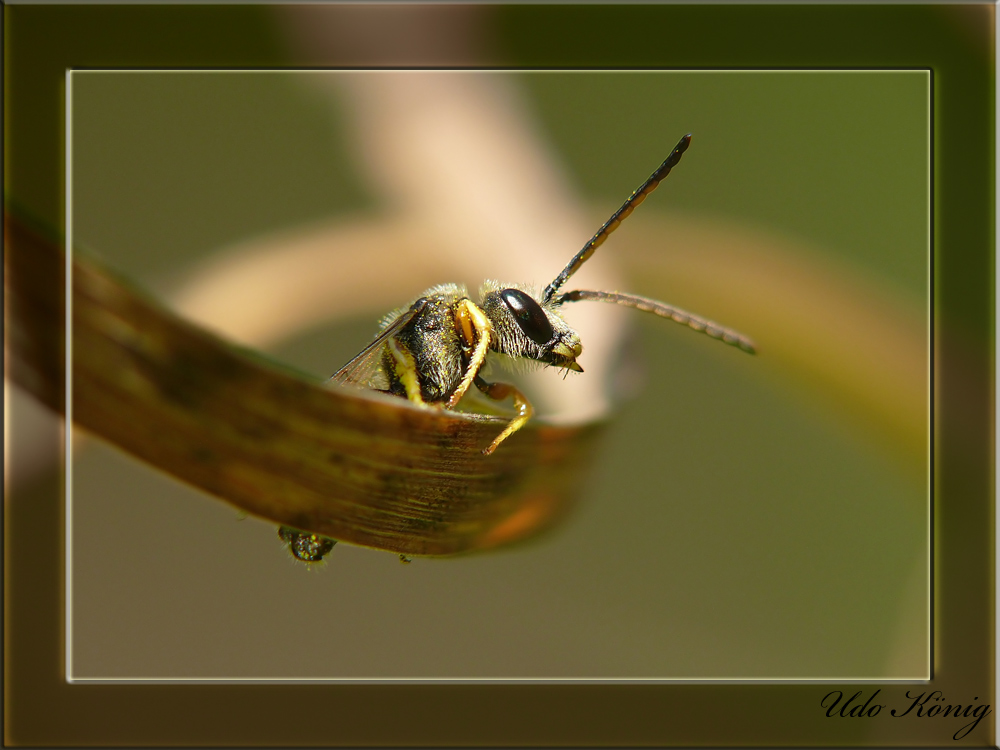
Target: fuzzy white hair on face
527	332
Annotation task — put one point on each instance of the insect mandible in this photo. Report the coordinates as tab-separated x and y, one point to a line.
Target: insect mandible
432	352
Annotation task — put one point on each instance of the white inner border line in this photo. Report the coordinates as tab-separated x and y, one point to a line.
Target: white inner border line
68	423
68	447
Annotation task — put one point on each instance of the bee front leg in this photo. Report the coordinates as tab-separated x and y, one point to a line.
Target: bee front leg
498	392
476	329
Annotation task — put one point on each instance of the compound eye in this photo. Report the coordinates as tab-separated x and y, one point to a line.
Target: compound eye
529	316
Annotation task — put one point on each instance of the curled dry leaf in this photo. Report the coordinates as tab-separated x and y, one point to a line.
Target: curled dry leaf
358	467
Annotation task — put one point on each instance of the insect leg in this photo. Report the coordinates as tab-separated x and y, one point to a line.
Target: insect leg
476	329
498	392
406	370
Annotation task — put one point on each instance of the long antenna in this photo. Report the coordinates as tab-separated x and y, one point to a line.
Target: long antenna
702	325
637	197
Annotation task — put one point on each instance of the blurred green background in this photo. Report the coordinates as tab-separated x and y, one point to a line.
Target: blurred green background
738	525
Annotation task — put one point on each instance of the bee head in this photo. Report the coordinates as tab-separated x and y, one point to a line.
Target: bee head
526	328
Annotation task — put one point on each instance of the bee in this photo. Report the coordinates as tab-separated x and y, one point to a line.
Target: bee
432	351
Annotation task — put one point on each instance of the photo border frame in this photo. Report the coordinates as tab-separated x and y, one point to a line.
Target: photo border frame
956	43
